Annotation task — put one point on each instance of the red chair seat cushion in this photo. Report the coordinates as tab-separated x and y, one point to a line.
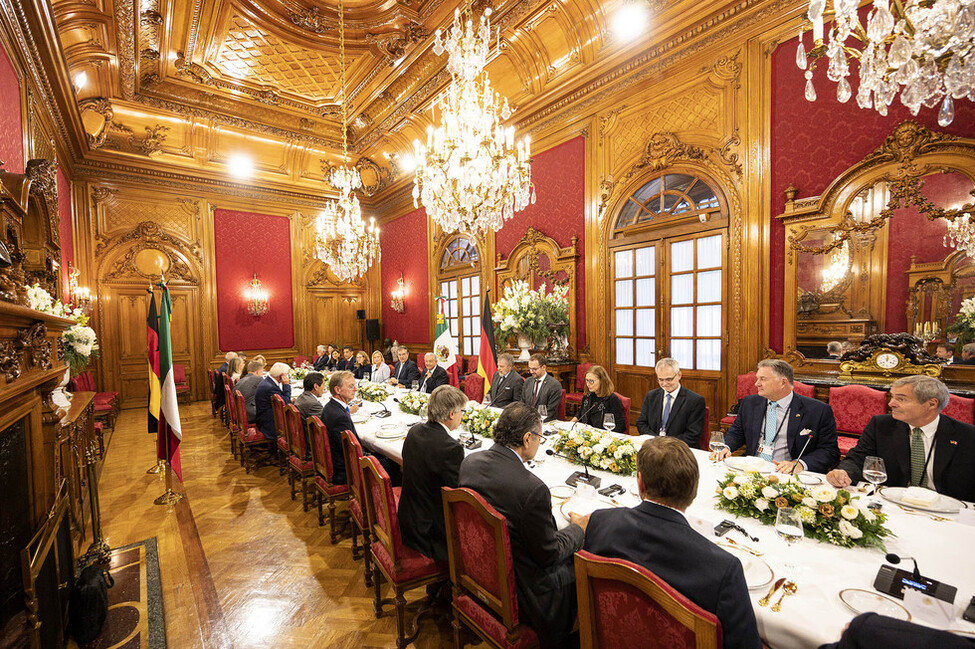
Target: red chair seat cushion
250	435
574	397
730	419
282	443
330	490
103	407
301	465
99	425
412	564
494	628
111	396
846	444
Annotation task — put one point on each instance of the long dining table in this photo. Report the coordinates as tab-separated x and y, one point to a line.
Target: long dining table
815	614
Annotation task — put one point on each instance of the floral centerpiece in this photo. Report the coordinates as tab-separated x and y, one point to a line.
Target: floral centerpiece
413	402
535	315
828	515
297	373
479	419
375	392
81	343
598	449
964	325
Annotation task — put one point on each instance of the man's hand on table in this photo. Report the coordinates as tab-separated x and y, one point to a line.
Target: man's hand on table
353	408
788	466
720	455
838	478
581	521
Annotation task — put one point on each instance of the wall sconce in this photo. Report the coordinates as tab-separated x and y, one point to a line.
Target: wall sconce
257	298
397	296
79	296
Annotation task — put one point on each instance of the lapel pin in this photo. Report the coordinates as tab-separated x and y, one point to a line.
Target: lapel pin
953	441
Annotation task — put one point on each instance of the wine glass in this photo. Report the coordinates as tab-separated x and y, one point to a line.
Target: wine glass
788	525
414	385
542	412
423	412
609	422
716	444
874	472
486	401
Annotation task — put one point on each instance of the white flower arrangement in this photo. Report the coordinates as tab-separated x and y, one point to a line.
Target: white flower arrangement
81	343
297	374
375	392
479	419
522	310
598	449
413	402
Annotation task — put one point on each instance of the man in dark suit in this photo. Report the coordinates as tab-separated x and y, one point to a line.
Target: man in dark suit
226	361
655	535
218	395
337	417
307	403
672	409
834	349
347	362
322	359
967	355
406	370
542	554
919	446
946	352
870	630
276	382
247	386
507	384
776	423
431	460
433	375
542	389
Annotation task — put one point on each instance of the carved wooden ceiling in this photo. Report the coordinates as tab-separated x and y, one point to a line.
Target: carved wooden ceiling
190	83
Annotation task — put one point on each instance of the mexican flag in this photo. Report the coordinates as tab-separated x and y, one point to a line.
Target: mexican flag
170	432
444	345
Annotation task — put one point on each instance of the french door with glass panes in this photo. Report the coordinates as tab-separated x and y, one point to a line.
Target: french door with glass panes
667	302
463	310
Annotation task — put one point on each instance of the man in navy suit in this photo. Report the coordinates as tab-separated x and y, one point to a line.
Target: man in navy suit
347	362
542	389
406	370
683	418
776	423
434	376
655	535
507	383
276	382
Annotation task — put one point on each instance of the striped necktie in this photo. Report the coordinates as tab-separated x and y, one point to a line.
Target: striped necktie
770	421
919	477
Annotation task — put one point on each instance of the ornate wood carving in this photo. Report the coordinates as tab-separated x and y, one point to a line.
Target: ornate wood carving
932	285
148	235
10	355
34	342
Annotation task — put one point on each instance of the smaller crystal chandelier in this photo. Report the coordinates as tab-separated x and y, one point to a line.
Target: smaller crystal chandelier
961	235
838	268
79	296
398	297
258	302
343	241
923	49
471	175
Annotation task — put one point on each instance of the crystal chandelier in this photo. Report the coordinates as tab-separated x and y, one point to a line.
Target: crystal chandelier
343	241
961	235
923	49
471	176
838	268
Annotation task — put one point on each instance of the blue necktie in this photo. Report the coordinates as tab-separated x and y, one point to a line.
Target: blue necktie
663	421
770	421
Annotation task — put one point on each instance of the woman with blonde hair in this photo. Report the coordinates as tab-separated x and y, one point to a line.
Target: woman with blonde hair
380	370
599	401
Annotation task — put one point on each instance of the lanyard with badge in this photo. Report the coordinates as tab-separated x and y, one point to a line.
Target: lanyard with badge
767	448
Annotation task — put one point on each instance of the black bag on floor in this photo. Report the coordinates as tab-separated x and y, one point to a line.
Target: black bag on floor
88	607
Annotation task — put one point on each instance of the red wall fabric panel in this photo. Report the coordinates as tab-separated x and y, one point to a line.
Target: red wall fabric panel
246	243
11	126
813	142
404	245
64	226
559	212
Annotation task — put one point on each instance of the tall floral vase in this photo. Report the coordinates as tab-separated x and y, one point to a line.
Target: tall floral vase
525	345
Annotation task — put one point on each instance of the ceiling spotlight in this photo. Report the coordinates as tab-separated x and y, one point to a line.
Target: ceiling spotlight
407	163
80	80
630	20
240	166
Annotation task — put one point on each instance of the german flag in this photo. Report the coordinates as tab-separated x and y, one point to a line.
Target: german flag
487	359
152	322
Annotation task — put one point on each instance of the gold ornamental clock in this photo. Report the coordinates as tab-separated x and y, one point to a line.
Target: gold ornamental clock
885	365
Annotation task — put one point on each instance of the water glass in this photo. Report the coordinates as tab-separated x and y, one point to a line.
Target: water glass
874	471
609	422
788	525
542	412
716	444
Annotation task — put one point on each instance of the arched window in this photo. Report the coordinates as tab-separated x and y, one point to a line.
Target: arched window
459	278
668	247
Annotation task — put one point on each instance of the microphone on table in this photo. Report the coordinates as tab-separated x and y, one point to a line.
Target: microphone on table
808	437
581	415
896	559
579	476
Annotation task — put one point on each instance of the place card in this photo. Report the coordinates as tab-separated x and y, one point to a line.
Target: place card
927	609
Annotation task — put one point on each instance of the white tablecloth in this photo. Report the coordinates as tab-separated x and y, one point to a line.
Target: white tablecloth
815	614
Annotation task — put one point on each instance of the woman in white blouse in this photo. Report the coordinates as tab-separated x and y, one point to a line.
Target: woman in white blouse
380	371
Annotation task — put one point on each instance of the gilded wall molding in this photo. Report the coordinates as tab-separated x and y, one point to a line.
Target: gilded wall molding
148	235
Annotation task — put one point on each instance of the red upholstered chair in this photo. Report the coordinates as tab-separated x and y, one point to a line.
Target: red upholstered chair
281	431
562	406
300	360
705	442
626	413
960	408
212	380
853	406
392	369
473	387
482	572
472	364
106	406
745	385
621	602
575	398
804	389
233	422
403	567
183	392
248	436
325	487
298	467
352	453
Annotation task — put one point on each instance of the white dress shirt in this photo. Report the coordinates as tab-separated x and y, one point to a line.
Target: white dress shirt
927	433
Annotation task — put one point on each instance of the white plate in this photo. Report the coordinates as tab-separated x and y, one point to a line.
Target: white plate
809	478
562	491
758	574
583	506
749	463
865	601
944	504
391	434
360	417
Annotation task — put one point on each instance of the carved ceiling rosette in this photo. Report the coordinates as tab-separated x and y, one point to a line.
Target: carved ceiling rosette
151	252
102	107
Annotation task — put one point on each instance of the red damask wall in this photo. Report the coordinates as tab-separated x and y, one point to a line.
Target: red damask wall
813	142
64	226
11	126
246	243
404	245
559	212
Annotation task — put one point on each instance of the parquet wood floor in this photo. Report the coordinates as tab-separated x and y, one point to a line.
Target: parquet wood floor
242	565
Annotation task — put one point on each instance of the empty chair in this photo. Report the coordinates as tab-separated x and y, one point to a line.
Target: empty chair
325	487
853	406
960	408
625	428
744	386
300	360
183	392
299	467
403	567
473	387
622	604
804	389
482	572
